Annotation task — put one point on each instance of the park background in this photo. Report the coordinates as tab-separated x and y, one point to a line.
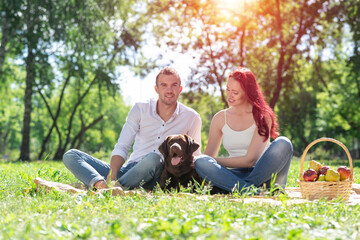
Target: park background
68	68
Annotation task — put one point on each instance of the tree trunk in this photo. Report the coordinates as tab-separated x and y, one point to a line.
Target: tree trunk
282	50
54	118
242	38
25	144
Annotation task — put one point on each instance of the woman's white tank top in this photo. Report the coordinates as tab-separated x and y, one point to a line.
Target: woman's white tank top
237	143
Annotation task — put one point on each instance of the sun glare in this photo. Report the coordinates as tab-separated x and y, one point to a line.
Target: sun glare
233	4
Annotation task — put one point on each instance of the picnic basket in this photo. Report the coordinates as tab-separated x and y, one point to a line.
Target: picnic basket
322	189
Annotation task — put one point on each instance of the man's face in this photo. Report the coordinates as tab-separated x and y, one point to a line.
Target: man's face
168	87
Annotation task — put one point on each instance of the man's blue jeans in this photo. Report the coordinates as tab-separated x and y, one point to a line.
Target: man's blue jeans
90	170
275	160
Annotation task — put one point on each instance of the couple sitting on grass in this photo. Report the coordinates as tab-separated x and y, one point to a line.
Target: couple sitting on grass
245	129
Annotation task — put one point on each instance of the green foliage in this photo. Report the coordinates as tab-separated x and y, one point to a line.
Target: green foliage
10	112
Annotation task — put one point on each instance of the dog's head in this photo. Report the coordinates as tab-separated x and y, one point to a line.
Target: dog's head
177	151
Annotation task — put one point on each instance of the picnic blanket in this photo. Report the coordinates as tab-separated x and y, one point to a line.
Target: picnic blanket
293	194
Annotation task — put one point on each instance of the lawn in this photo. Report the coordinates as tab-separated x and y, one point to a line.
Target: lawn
159	215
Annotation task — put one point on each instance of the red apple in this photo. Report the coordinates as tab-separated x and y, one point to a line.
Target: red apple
324	169
344	172
310	175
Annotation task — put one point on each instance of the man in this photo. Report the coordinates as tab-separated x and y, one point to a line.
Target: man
148	124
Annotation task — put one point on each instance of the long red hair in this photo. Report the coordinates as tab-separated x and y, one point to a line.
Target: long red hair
255	97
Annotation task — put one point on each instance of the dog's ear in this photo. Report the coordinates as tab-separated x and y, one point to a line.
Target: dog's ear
163	147
192	145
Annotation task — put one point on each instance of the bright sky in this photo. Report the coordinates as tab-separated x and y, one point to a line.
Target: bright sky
135	89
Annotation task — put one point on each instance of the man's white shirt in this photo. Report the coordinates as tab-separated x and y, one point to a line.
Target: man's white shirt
146	127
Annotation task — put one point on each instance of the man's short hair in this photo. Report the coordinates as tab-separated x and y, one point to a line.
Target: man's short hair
168	71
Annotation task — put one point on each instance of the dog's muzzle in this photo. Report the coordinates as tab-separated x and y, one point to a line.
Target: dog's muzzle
175	153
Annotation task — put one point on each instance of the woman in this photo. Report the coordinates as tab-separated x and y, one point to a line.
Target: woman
245	128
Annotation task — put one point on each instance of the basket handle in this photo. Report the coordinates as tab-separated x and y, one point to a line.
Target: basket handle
324	140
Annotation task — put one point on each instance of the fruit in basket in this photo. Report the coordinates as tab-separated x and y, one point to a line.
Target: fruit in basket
324	169
332	176
315	165
344	172
321	177
310	175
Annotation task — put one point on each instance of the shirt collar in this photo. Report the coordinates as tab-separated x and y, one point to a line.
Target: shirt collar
153	103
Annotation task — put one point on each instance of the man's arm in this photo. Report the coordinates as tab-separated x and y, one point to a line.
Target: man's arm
122	147
115	165
128	133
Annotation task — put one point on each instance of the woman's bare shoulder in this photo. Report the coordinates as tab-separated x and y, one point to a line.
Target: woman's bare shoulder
220	114
219	117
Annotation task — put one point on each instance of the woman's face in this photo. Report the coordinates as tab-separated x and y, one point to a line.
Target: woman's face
235	94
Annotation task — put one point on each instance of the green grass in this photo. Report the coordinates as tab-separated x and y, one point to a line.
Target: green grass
57	215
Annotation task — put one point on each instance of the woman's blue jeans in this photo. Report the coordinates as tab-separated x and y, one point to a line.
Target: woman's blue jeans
90	170
275	161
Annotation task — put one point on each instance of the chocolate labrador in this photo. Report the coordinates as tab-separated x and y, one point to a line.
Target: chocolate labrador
179	166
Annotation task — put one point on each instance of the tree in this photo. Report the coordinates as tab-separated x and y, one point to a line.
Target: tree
267	37
275	39
111	36
33	29
70	44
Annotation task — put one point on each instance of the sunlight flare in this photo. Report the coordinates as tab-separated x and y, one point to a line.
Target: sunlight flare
233	5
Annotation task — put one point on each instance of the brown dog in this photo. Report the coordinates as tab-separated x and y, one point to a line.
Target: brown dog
179	166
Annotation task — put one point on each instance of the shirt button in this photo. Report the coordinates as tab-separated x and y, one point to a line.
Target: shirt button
153	150
158	137
163	124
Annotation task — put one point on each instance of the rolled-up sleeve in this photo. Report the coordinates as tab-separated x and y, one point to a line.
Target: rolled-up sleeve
128	133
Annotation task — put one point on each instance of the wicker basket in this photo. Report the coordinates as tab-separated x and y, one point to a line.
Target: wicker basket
323	189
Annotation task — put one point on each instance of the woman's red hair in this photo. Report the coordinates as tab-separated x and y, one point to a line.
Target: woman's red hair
255	97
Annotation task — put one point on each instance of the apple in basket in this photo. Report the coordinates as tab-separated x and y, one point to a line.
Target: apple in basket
324	169
344	172
310	175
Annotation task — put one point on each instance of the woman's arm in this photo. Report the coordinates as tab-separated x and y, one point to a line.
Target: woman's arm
215	135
